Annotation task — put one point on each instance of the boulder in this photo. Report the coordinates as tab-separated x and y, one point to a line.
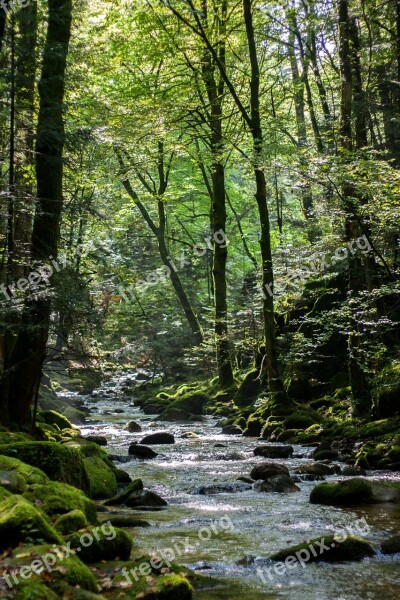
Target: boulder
107	543
70	570
59	498
391	545
267	469
140	451
71	522
355	491
122	476
9	465
229	488
119	458
51	417
145	498
329	548
175	414
314	469
232	430
274	451
97	439
282	484
102	480
12	481
326	455
160	437
133	427
135	486
21	521
57	461
353	471
127	521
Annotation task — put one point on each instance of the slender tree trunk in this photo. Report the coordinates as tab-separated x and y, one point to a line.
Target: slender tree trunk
25	94
272	365
358	379
30	348
159	233
215	93
298	93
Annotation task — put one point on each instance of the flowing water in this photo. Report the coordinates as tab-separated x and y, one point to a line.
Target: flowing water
228	536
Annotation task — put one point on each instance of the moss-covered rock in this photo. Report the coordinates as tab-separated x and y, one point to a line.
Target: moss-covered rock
104	542
326	455
314	469
51	417
281	484
300	420
329	548
20	521
32	590
59	498
70	522
56	460
4	494
12	481
56	567
86	447
135	486
355	491
266	470
140	579
29	473
102	480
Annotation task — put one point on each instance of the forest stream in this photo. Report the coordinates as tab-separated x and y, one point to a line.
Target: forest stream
248	526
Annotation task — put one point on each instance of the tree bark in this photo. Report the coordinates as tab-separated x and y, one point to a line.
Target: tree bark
272	366
30	348
358	380
215	91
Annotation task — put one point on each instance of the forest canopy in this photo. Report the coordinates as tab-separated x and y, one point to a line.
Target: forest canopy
208	188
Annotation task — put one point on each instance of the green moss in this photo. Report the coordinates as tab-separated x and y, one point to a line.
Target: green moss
29	473
34	590
153	586
56	460
4	494
86	448
51	417
355	491
71	521
20	521
102	480
67	569
135	486
59	498
334	549
300	420
108	543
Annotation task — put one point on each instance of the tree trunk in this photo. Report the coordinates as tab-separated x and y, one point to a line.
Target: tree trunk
272	366
215	92
30	348
358	380
159	233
